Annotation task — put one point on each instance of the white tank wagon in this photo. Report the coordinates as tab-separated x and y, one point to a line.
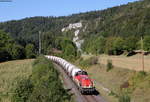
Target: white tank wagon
70	68
80	77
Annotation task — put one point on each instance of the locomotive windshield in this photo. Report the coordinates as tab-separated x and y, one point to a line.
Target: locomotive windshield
81	73
84	73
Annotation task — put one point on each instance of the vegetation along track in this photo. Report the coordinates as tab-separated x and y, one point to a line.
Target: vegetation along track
70	85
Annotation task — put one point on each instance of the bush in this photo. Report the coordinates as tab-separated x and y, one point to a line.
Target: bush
23	90
146	43
9	49
4	55
124	98
118	46
142	73
68	48
43	85
17	52
88	62
30	53
109	65
113	94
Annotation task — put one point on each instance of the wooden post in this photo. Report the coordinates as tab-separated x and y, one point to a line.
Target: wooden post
39	42
142	53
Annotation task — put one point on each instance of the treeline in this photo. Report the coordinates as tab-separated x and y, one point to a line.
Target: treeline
62	44
119	29
115	45
43	85
10	50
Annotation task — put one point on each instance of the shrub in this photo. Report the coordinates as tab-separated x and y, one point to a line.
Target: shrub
43	85
17	52
88	62
124	98
113	94
142	73
109	65
29	49
23	90
9	49
4	55
146	43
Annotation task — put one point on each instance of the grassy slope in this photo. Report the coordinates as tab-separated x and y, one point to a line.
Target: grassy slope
132	63
9	71
111	80
116	77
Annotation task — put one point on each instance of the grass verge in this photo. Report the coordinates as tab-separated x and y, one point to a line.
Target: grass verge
121	82
9	73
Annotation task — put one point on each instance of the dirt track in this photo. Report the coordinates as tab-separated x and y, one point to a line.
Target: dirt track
70	85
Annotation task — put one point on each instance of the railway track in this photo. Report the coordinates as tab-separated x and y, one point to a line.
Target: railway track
70	85
94	98
90	98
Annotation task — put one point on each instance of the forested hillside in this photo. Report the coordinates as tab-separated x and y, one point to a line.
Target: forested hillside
112	31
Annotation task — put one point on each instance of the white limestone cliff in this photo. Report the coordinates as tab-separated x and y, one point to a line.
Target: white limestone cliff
76	27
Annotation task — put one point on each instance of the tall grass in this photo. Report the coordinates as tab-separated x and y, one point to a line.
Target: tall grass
9	73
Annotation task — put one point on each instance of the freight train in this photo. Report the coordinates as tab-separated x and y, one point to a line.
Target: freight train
80	77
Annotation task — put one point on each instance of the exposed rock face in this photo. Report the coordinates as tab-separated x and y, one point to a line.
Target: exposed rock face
72	26
76	39
76	32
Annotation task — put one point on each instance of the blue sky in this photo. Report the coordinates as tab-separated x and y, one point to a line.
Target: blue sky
18	9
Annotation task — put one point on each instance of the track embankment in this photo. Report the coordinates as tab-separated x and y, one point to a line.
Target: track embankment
70	85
